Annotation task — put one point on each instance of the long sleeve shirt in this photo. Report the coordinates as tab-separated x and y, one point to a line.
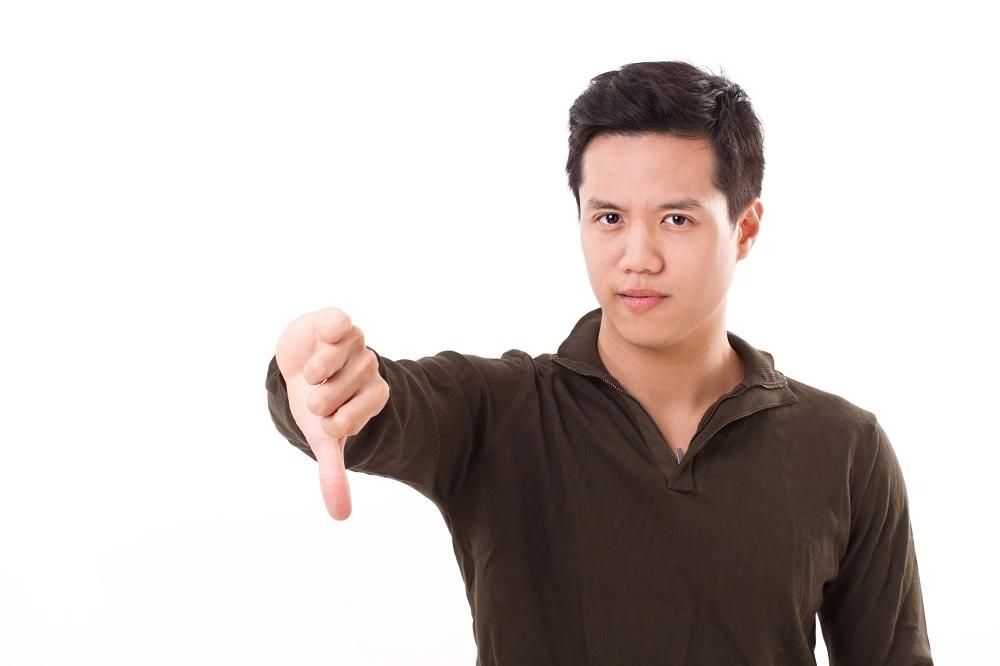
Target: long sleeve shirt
582	540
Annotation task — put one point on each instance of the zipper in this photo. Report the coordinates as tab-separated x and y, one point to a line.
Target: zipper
715	407
678	464
624	392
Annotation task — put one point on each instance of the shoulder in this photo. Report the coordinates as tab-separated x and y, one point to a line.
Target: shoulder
511	362
815	399
833	419
506	375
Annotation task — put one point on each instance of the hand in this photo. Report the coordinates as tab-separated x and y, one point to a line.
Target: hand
334	389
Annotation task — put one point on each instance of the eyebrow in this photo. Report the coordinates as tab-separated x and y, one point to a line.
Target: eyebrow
679	204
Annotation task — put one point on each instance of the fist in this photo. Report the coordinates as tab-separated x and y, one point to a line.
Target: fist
334	389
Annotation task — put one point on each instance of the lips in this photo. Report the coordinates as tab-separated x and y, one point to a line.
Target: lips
640	304
638	293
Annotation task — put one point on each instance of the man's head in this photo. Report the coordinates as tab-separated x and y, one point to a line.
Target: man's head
656	133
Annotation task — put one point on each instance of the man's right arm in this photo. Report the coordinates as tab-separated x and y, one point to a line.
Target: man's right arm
443	412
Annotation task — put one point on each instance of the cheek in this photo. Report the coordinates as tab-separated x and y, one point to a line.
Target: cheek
593	264
715	278
596	256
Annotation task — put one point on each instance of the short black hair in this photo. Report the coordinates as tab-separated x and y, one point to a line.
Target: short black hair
677	98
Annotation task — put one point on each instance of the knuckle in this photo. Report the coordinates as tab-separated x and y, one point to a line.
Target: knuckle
336	425
331	313
314	368
333	323
315	403
343	424
328	426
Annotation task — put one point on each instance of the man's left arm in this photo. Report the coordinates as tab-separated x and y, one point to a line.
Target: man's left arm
873	612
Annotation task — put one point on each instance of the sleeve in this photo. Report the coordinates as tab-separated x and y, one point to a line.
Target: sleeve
872	611
443	412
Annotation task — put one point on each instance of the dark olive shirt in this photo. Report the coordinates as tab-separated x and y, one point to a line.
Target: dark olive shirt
583	541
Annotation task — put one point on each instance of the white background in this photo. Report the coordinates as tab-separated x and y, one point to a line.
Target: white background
179	180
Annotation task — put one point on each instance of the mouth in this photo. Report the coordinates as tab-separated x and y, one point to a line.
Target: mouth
641	303
640	293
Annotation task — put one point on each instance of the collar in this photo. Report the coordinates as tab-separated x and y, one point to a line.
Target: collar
579	351
762	388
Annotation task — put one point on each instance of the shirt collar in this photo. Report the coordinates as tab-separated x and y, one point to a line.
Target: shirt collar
579	350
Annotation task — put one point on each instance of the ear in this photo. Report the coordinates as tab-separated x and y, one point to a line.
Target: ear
748	227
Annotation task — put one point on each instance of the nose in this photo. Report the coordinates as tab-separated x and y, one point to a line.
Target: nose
641	251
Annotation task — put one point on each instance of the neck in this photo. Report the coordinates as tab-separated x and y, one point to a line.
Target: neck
682	376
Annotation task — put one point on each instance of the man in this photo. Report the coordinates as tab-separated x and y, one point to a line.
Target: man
656	491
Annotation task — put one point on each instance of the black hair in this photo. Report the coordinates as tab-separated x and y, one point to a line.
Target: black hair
678	98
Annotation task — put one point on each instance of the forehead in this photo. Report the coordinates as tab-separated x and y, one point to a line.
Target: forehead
614	163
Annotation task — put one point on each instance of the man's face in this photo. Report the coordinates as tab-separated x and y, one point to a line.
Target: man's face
630	242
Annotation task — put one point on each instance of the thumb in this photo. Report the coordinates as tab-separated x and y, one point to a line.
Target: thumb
333	475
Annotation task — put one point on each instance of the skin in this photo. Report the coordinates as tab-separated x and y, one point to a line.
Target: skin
675	358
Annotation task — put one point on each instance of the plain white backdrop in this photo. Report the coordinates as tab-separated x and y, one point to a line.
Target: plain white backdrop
179	180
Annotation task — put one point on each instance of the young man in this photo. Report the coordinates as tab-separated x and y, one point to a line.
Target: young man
656	491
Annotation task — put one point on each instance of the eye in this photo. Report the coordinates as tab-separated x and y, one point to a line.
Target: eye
683	217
